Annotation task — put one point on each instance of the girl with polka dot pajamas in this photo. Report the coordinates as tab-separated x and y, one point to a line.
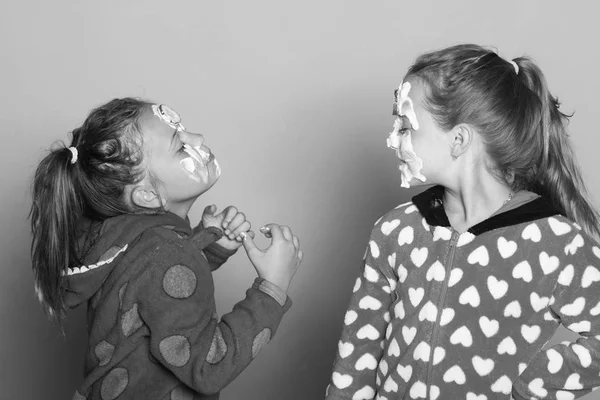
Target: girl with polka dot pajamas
463	286
110	229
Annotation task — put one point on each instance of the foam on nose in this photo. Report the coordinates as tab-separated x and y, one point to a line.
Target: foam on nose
195	164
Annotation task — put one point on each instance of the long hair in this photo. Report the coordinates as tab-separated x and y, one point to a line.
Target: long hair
523	129
66	193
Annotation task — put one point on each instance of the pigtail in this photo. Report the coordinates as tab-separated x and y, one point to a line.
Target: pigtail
558	175
55	213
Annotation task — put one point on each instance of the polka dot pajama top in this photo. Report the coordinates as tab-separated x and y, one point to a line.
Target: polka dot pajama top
153	328
440	315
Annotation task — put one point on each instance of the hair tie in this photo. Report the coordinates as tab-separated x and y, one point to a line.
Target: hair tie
514	64
74	154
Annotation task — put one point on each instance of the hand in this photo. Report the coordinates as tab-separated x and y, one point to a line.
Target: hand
280	261
232	222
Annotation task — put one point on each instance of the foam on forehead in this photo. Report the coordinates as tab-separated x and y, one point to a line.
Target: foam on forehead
404	104
167	115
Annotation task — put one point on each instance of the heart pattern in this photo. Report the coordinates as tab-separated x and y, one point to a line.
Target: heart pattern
505	289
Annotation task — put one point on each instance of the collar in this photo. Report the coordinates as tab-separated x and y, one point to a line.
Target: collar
430	204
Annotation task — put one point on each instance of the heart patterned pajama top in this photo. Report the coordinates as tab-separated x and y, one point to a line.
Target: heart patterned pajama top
440	315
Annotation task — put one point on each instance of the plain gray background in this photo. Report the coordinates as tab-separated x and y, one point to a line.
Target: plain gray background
294	97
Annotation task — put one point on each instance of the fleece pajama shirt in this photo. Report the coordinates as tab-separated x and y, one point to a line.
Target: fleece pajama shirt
437	314
153	328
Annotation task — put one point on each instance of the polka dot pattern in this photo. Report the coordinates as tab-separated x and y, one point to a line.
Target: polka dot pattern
131	321
501	289
175	350
218	348
262	338
179	282
104	351
114	384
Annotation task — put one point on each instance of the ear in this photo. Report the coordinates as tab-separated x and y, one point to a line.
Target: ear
461	137
146	197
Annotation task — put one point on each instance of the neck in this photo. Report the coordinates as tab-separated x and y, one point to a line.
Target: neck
474	198
181	208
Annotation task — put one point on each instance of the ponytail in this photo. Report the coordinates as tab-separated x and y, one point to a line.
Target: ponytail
86	182
558	177
55	215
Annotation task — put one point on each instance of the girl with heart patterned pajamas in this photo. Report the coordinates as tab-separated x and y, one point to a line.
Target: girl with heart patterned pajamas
463	286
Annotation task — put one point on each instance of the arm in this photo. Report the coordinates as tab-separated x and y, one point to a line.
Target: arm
205	239
359	348
570	370
177	303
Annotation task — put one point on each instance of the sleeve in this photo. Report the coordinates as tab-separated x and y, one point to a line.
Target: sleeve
361	344
177	304
205	239
570	369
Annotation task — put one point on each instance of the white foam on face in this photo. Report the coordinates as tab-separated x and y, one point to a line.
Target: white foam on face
196	164
401	142
168	116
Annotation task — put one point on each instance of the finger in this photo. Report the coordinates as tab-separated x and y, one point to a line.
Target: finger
274	231
237	221
244	227
265	230
210	210
287	232
250	246
296	242
229	213
243	235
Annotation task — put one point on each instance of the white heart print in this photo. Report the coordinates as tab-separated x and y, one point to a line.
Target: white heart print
341	381
530	333
345	349
370	274
366	361
436	271
573	383
428	312
422	352
507	346
532	232
506	248
502	385
399	310
581	326
559	228
415	296
590	276
388	227
575	308
566	275
537	387
438	355
406	236
367	331
390	385
555	361
470	296
572	247
522	271
408	334
585	358
473	396
350	317
369	303
448	315
538	303
497	287
374	249
513	309
455	276
404	372
418	256
441	232
366	393
455	374
489	327
548	263
483	366
479	256
392	260
434	392
463	336
393	348
418	390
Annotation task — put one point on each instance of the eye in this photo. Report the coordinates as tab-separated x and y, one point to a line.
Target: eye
404	131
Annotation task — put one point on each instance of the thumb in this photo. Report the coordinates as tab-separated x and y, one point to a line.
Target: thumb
248	243
209	211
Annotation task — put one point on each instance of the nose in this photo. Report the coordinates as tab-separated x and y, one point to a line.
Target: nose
193	139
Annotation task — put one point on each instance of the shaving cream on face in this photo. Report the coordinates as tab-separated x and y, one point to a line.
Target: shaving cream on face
196	164
411	163
168	115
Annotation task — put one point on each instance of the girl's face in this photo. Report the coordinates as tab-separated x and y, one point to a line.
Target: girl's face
421	146
181	162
